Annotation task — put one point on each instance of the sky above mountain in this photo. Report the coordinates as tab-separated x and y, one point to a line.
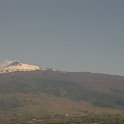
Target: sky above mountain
70	35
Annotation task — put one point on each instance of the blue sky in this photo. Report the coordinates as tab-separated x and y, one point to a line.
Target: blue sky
70	35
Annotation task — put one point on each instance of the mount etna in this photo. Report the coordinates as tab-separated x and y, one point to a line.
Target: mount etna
27	89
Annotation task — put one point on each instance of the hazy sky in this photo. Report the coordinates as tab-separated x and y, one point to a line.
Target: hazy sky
71	35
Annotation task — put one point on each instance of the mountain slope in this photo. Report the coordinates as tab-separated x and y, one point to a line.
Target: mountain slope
46	82
21	90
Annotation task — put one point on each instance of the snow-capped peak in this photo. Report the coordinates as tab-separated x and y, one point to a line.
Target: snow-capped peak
18	66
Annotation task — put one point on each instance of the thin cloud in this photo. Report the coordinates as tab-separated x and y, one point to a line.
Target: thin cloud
6	62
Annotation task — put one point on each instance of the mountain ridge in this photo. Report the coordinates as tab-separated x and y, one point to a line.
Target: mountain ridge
98	90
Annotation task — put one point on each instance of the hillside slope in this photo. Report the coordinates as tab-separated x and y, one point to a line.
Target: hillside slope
100	90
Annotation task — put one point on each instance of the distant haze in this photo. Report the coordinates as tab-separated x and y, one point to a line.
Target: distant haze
70	35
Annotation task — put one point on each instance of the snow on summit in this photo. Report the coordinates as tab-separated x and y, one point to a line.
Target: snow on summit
18	66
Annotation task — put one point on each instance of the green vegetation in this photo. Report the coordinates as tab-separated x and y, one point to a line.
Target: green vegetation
119	91
10	103
13	86
78	92
60	88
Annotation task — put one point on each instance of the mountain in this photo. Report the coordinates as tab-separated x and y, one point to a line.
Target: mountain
28	90
18	66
